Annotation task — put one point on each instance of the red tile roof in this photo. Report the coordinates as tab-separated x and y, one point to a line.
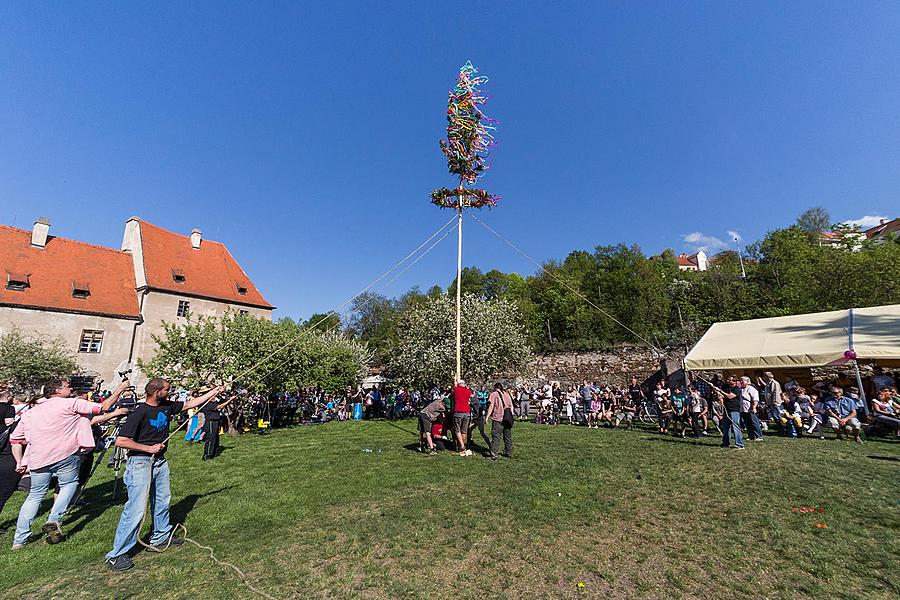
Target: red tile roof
892	226
209	272
684	260
52	271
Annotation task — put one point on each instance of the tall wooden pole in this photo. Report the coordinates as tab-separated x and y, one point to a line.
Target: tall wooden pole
459	292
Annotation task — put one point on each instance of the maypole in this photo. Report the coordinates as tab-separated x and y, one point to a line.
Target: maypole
468	143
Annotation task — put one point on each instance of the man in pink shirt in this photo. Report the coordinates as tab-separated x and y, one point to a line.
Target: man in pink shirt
50	440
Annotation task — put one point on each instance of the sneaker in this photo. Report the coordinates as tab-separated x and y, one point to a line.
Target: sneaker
469	453
18	546
53	531
739	448
463	453
119	563
432	452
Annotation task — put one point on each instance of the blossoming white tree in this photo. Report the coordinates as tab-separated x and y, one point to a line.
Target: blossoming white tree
493	335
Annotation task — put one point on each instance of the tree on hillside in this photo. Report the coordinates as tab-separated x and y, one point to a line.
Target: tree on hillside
323	322
493	340
814	220
27	362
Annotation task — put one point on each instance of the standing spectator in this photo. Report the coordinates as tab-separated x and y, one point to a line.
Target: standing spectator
570	402
212	422
586	393
771	393
697	409
731	397
49	442
636	393
461	396
501	421
9	476
840	411
663	406
749	406
524	403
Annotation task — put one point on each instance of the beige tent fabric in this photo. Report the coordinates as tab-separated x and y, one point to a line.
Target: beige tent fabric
811	340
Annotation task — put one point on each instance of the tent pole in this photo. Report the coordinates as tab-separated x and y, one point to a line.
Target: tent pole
862	392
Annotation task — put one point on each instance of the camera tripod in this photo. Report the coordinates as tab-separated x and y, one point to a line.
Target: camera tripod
116	459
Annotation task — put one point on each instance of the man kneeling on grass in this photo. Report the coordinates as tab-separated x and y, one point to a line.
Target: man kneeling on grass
144	435
427	418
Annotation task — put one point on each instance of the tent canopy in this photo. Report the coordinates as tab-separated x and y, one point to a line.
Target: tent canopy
812	340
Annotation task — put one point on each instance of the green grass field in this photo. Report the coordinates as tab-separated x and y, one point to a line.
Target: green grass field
307	513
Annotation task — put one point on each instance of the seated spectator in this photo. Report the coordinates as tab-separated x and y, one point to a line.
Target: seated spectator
840	411
885	411
791	416
627	411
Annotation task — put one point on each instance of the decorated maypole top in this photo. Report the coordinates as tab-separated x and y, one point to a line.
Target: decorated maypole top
468	144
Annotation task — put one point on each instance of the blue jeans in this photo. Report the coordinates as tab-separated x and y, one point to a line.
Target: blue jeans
66	471
751	422
734	426
139	479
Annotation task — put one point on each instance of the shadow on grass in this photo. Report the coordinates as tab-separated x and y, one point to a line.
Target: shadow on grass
101	501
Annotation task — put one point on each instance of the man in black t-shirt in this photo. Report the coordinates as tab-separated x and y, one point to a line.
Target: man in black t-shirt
144	435
9	477
731	395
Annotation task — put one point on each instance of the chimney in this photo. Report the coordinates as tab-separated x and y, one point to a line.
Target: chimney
39	232
196	236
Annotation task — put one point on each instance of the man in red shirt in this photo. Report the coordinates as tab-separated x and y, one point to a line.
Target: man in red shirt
461	395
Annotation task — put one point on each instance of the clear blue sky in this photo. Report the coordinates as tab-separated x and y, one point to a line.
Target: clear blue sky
304	135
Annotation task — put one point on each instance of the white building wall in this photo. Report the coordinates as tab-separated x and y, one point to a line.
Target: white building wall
68	327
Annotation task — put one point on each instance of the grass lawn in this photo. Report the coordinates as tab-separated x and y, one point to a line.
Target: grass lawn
308	513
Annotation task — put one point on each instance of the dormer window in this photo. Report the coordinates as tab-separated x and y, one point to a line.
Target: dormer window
177	275
17	282
241	289
81	290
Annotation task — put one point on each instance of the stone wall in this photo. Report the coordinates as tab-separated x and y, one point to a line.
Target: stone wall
614	366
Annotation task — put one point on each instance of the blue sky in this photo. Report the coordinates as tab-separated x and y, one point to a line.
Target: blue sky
304	135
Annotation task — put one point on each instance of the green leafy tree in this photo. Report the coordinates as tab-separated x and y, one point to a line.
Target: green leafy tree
323	322
493	340
27	362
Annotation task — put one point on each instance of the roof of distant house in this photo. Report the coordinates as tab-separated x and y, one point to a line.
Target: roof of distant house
62	269
892	226
209	271
687	260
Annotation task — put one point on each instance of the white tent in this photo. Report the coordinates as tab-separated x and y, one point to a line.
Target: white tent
801	341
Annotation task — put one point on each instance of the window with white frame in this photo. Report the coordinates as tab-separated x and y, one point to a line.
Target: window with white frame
183	307
91	341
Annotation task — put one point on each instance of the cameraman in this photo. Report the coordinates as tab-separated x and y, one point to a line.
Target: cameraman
144	434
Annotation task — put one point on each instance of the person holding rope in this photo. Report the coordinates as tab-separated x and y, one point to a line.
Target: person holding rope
50	440
144	434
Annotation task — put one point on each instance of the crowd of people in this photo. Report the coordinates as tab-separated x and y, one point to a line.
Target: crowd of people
55	437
